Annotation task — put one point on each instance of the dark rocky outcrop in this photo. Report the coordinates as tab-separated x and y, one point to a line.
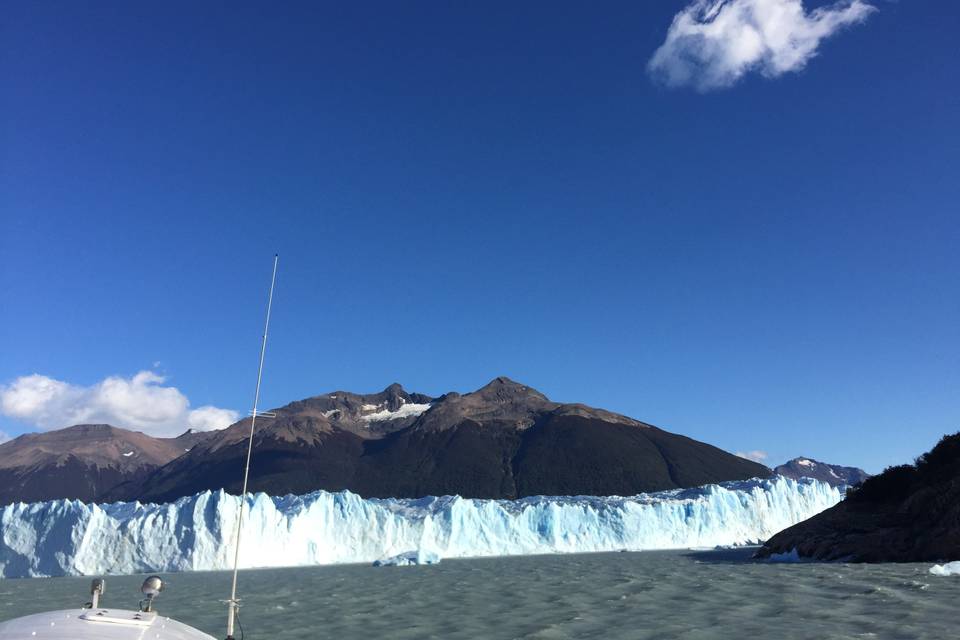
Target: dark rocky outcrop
832	474
909	513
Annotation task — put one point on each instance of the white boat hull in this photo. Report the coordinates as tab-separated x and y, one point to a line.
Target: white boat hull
98	624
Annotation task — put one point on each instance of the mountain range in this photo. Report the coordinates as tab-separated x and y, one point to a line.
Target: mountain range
832	474
83	461
504	440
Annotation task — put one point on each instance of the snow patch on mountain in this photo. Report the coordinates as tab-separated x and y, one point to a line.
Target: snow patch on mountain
405	411
196	533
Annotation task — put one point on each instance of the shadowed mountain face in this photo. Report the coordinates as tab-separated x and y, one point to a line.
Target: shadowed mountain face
505	440
83	461
909	513
832	474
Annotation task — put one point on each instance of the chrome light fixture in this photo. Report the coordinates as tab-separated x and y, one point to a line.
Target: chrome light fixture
151	588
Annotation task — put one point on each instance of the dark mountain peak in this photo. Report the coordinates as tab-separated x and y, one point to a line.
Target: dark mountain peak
82	432
100	428
393	395
833	474
367	415
503	382
501	402
504	389
81	461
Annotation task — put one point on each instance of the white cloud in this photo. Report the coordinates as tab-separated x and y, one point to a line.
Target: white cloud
712	44
756	456
141	402
210	418
4	437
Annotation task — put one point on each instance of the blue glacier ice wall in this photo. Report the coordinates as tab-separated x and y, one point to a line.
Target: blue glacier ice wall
68	537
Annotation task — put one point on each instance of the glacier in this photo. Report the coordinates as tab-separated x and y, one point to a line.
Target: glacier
196	533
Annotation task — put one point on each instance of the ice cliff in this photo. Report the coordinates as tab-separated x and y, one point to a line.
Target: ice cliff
68	537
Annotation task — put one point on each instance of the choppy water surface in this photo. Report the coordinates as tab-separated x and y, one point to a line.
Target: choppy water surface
663	594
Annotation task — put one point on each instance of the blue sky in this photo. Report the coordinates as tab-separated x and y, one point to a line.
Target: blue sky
465	190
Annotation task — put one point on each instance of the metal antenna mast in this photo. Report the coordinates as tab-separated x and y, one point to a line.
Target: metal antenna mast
233	604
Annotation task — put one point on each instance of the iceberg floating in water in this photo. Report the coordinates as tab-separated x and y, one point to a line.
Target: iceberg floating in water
949	569
409	559
69	537
790	556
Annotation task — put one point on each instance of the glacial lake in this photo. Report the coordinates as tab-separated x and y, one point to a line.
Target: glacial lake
656	594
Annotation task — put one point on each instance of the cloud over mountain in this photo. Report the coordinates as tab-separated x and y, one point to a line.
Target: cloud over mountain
140	402
712	44
756	456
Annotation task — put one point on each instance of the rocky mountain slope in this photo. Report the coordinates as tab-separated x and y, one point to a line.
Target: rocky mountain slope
832	474
505	440
83	461
909	513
